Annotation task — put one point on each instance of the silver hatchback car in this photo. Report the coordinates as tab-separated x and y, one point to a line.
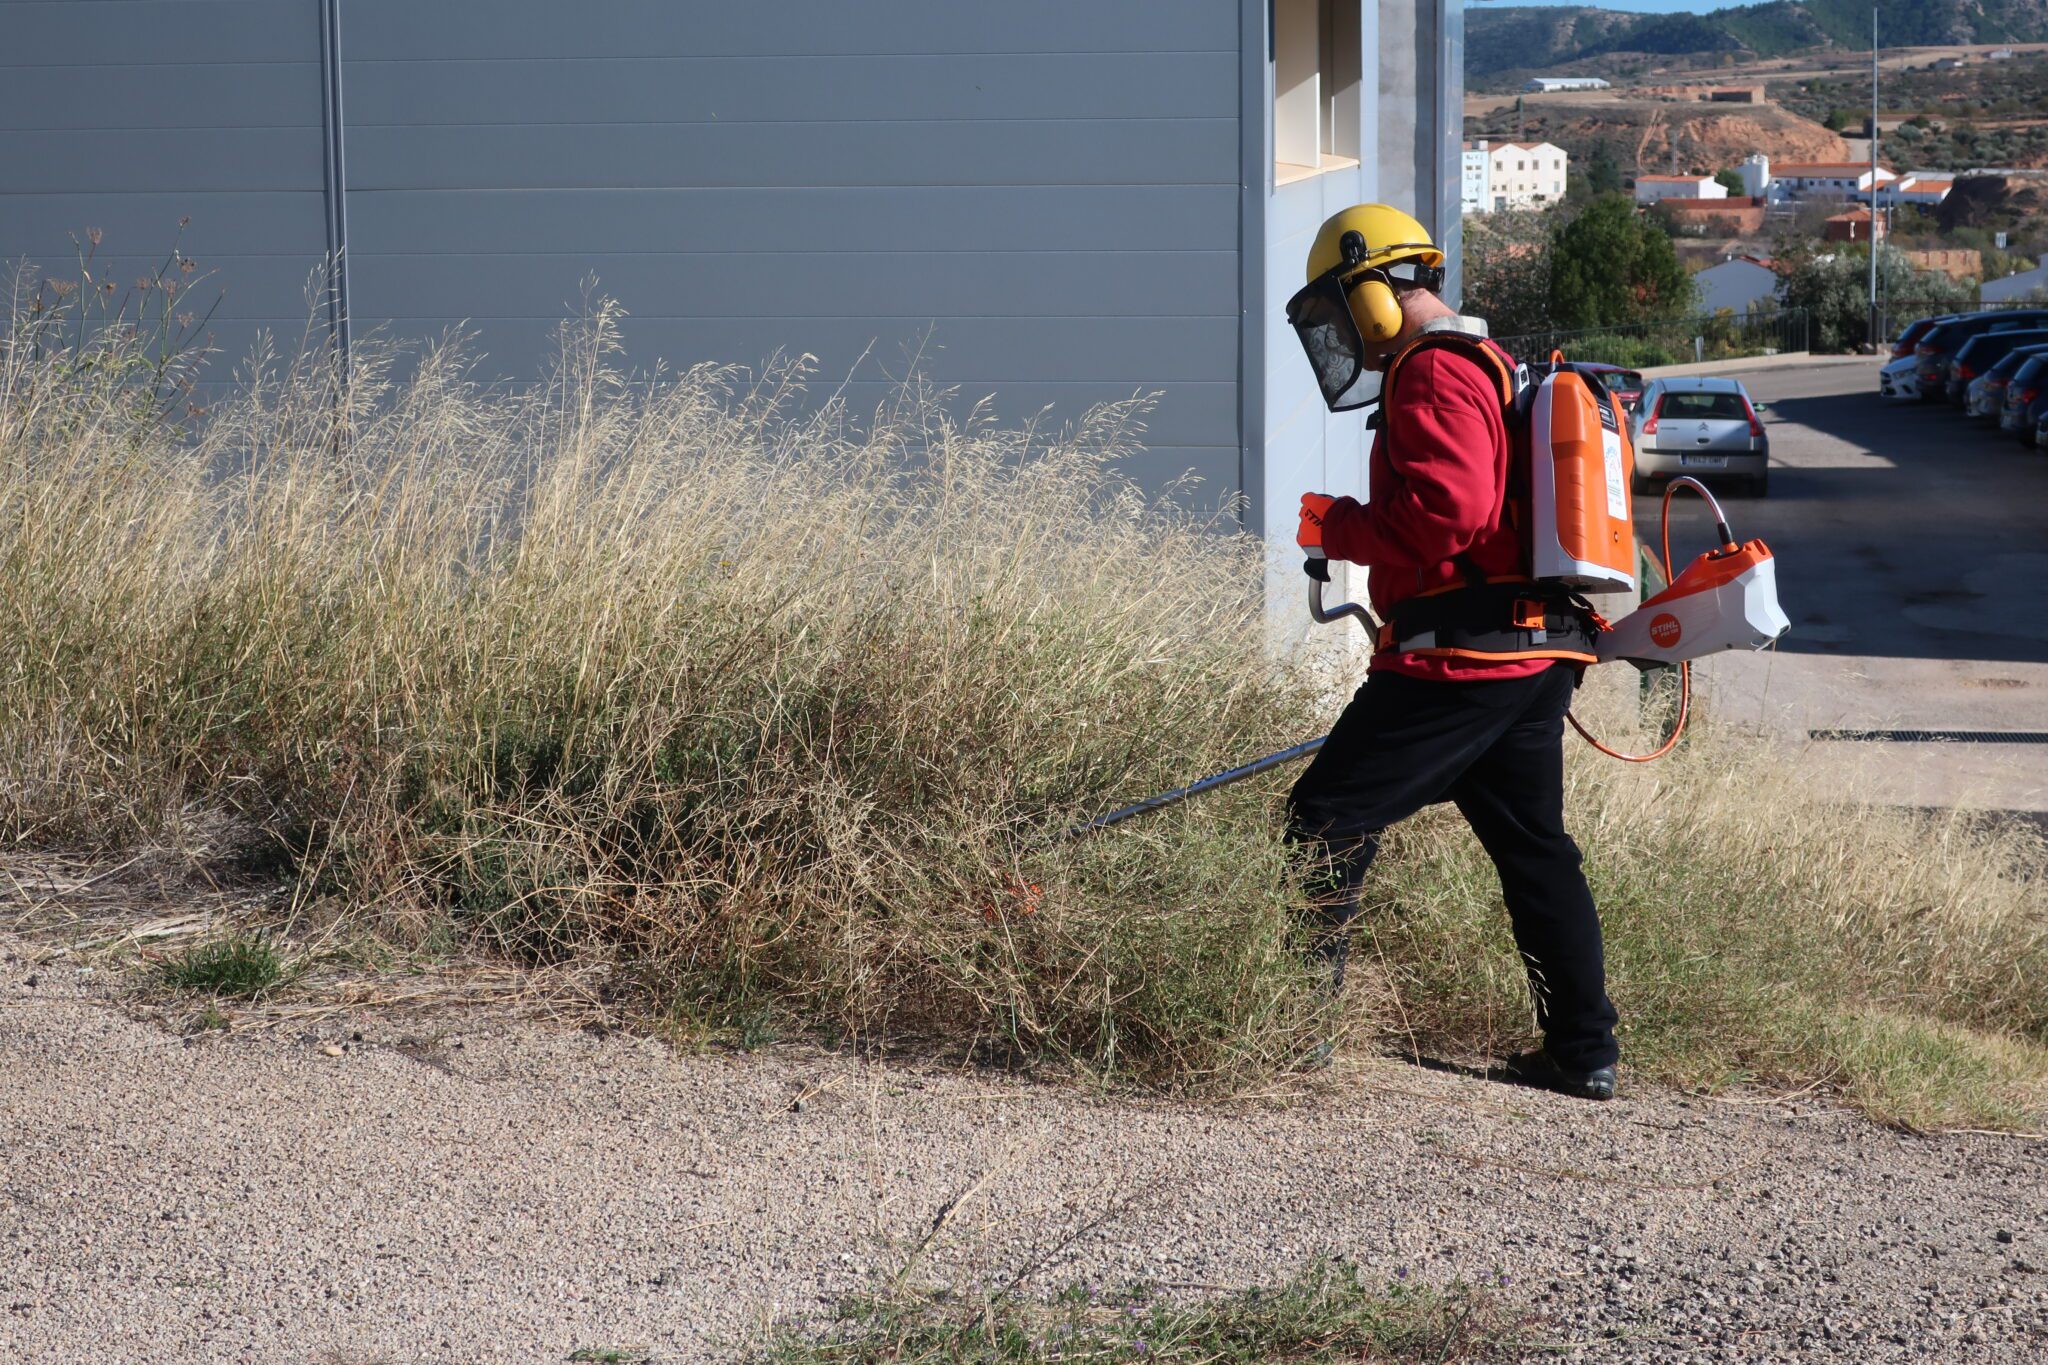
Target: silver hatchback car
1700	425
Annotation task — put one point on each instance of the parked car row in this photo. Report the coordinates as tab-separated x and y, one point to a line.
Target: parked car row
1992	366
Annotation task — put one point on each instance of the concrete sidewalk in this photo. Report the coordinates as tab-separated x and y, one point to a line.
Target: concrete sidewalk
1784	360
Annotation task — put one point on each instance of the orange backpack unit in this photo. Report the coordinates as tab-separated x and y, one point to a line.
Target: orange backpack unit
1570	466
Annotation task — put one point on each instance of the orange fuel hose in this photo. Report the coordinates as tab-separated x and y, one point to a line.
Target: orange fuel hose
1684	669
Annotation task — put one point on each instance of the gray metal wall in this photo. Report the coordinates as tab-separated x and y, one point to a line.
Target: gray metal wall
127	115
1041	202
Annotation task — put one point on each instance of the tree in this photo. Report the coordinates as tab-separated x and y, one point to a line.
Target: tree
1610	266
1730	181
1834	289
1604	176
1507	271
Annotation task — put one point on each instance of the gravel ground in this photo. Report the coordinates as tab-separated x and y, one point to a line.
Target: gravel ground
378	1191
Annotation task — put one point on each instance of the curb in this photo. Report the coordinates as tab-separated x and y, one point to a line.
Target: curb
1787	360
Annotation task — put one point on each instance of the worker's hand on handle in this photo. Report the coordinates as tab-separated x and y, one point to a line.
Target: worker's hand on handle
1314	507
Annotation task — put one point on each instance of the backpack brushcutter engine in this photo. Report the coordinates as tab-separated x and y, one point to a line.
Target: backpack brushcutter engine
1727	598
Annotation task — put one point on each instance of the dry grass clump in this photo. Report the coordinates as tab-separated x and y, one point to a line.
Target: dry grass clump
777	707
767	702
1758	928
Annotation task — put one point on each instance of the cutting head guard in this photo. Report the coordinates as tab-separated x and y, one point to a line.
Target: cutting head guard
1360	257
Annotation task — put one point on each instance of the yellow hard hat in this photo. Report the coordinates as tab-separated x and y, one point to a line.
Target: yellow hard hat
1385	235
1360	256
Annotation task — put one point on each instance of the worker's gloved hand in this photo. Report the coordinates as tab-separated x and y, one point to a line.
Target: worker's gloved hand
1314	507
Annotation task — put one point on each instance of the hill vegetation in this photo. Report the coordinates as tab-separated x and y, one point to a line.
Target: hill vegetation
1504	41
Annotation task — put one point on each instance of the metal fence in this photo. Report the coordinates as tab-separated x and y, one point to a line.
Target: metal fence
1672	341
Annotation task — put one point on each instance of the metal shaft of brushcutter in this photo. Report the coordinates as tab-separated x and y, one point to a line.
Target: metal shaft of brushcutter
1318	570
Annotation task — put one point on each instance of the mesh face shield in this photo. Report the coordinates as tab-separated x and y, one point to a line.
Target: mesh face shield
1321	316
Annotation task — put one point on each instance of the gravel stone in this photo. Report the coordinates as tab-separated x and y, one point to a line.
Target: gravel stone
530	1192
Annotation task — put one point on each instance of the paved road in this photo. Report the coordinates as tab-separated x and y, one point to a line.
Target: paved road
1912	548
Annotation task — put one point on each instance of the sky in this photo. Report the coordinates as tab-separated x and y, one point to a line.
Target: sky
1635	6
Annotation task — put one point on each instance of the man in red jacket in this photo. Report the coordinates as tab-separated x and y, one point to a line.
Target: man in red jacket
1479	726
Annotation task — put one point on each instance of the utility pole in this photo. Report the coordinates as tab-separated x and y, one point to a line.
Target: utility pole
1873	178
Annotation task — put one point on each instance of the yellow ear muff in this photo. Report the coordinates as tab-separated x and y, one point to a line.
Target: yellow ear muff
1376	311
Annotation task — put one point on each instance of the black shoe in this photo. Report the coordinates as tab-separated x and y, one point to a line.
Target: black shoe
1540	1069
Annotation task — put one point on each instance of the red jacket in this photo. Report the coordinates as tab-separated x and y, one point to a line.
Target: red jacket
1438	489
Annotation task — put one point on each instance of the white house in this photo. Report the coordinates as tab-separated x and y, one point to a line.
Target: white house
1741	283
2026	284
1651	188
1547	84
1924	190
1475	194
1797	180
1522	175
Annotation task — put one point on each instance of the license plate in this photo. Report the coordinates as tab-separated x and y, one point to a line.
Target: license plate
1703	462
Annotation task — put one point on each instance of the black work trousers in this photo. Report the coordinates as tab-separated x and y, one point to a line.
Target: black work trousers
1495	748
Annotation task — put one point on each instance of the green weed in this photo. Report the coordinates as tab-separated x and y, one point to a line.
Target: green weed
240	965
1325	1313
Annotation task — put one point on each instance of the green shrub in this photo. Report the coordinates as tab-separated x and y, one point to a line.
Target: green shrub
242	965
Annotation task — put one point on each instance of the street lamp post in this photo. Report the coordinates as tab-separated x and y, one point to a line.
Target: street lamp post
1873	179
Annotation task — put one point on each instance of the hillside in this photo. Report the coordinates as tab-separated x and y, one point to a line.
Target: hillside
1509	40
1644	133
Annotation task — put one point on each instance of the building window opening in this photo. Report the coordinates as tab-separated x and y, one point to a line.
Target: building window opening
1318	57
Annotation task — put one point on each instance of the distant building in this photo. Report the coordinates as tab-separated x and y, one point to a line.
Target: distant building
1735	216
1948	64
1756	176
1651	188
2001	54
1737	94
1795	181
1475	194
1924	190
1547	84
1958	263
1853	226
1523	175
2026	284
1740	283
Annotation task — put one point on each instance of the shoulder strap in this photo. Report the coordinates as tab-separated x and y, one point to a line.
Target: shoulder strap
1473	348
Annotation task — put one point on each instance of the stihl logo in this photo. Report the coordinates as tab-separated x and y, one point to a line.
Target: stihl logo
1664	629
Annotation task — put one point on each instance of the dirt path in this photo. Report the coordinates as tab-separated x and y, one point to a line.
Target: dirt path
516	1193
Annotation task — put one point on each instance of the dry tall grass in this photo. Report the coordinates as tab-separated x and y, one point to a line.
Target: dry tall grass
771	704
776	706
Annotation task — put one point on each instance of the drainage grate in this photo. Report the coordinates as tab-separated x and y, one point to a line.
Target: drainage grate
1939	736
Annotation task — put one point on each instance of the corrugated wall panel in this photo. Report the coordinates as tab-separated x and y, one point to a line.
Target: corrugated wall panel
789	89
948	285
130	117
407	29
1040	153
159	33
989	221
1036	202
1039	202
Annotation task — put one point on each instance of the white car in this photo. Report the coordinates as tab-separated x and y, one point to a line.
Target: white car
1703	425
1900	378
